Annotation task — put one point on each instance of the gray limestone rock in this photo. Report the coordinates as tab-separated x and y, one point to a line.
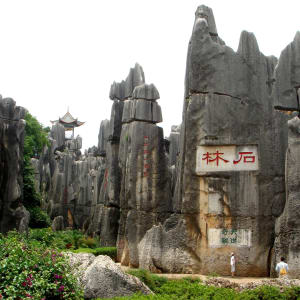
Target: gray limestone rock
135	78
123	90
228	105
12	127
117	91
145	197
22	216
58	223
287	242
115	123
174	144
103	137
145	91
58	134
101	277
141	110
287	77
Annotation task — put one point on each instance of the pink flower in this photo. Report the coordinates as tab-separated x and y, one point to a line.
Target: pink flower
61	288
24	283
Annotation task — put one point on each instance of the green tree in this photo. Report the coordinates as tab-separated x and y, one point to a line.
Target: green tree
35	137
34	142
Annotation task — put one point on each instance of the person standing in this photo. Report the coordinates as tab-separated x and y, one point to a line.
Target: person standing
232	264
282	268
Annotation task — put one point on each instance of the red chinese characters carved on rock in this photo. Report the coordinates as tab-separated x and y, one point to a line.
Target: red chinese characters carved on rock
146	152
208	157
244	157
247	158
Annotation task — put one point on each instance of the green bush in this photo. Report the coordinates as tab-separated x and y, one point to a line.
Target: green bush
34	141
109	251
54	239
38	218
88	242
154	282
29	270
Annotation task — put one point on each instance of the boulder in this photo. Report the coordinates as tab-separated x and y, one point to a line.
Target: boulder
22	219
58	223
100	277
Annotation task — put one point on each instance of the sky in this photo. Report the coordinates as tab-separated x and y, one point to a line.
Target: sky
57	54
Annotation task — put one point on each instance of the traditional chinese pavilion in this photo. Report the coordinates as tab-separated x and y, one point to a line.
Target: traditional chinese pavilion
69	122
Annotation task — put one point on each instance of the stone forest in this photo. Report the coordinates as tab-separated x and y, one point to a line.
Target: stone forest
225	180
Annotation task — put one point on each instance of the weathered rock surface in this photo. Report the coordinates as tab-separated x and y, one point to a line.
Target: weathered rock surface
124	89
146	91
101	277
12	127
58	134
287	242
22	217
145	189
222	209
105	218
174	144
67	181
103	137
141	110
58	223
286	91
287	77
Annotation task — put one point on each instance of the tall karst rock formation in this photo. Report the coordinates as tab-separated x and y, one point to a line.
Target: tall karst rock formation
12	125
133	101
134	193
287	92
230	177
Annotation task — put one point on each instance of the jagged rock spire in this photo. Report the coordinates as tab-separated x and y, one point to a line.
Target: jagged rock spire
124	89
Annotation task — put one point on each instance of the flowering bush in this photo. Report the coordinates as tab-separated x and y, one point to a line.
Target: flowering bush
29	270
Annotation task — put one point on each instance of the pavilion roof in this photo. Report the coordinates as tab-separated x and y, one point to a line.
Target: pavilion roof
68	121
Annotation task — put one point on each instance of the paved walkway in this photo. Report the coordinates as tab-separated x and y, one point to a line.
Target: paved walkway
204	277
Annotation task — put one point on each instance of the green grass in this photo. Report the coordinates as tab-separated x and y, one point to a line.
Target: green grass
189	289
109	251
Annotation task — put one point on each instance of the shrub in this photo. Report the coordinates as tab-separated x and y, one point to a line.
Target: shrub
34	141
109	251
28	271
38	218
54	239
88	242
154	282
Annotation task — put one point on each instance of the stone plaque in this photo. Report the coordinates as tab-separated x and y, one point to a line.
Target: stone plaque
221	237
226	158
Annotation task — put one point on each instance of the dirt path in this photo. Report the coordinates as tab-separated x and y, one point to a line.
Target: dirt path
204	278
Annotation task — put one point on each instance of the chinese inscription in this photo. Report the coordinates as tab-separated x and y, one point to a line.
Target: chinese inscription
221	237
226	158
146	165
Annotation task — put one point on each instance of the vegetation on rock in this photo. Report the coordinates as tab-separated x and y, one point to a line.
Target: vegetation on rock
34	141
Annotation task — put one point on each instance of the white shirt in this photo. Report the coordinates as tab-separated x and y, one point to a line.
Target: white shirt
232	260
281	265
